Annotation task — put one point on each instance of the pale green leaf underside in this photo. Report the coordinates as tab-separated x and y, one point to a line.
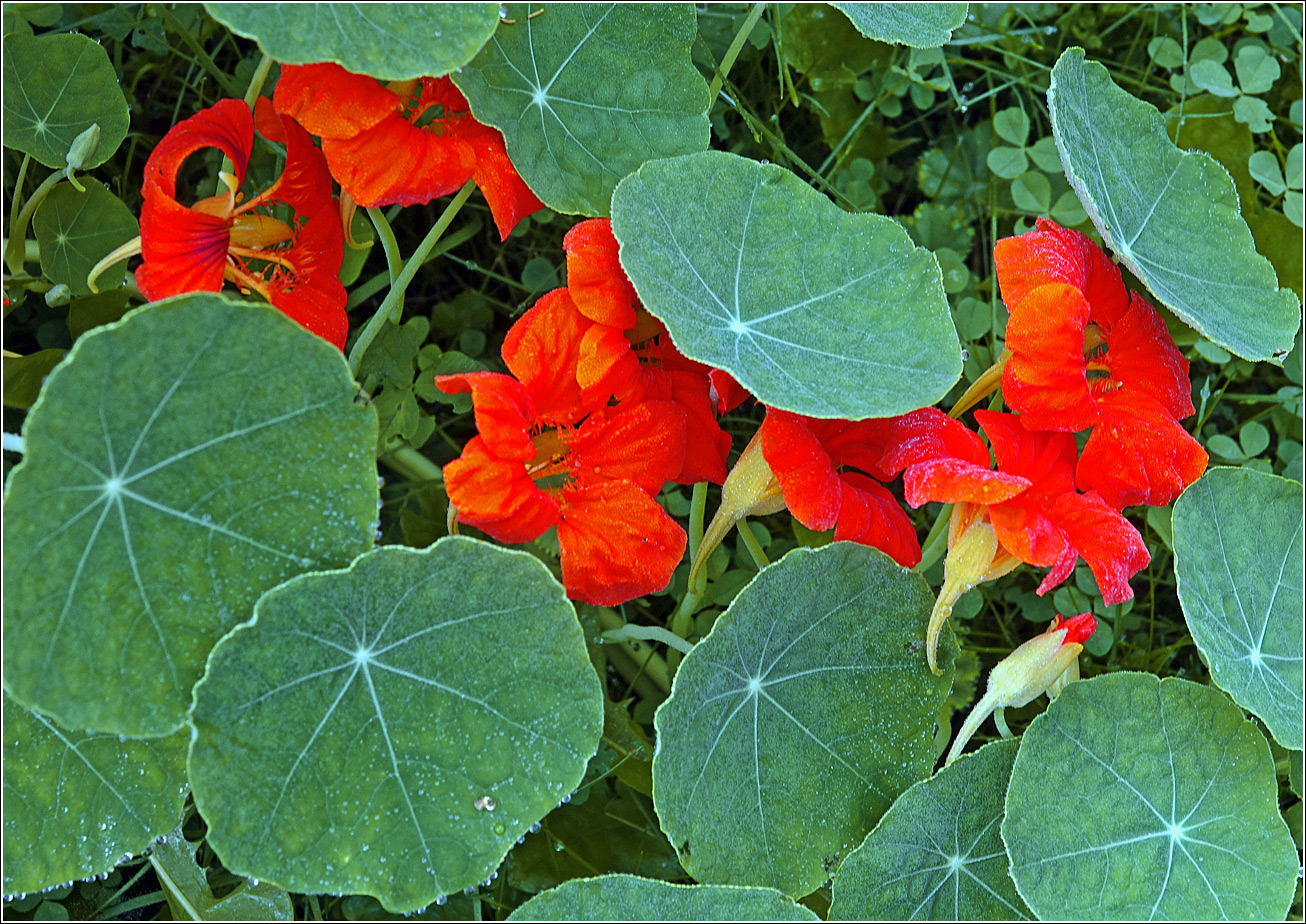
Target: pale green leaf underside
178	463
76	802
812	309
1171	216
56	87
391	41
936	855
76	230
585	93
798	720
187	889
920	25
345	738
621	897
1238	562
1133	797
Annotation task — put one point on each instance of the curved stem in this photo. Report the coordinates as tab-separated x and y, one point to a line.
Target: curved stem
393	305
412	465
754	547
393	261
18	226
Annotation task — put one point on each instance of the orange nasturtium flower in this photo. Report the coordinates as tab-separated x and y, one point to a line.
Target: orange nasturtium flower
1044	664
828	473
1085	352
1026	511
544	458
193	249
627	354
405	142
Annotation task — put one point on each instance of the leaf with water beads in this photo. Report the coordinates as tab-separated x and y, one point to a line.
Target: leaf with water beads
393	729
178	463
920	25
77	802
799	719
623	897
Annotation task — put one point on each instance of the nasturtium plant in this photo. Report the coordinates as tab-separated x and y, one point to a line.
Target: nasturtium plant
811	666
393	729
661	462
1181	792
812	309
1248	627
183	440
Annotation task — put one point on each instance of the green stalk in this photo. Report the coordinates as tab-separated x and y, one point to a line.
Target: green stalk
412	465
750	541
733	51
256	82
654	667
936	543
16	250
394	263
393	305
379	281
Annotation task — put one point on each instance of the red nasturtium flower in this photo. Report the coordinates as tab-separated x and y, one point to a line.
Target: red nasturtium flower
1085	352
544	457
193	249
405	142
627	354
828	473
1026	511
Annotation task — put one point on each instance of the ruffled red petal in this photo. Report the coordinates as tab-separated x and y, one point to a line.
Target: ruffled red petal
1052	254
726	393
497	496
951	481
1024	529
542	349
812	489
313	295
1046	459
643	444
707	446
1142	357
1108	542
595	278
1138	453
1046	378
926	435
509	198
305	181
616	542
331	102
870	514
503	409
607	367
396	163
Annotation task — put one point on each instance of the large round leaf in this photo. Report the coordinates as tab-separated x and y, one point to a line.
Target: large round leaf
1238	562
622	897
179	463
55	88
585	92
813	309
392	41
78	229
936	855
1133	797
393	729
920	25
76	802
799	719
1171	216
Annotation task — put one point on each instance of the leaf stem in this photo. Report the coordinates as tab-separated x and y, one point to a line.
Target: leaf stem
393	305
412	465
652	664
256	82
648	634
16	250
750	541
394	263
936	542
733	51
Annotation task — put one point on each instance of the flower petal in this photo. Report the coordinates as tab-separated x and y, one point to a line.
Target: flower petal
871	515
726	393
595	278
617	543
1046	377
331	102
1138	453
951	481
507	194
503	409
497	496
643	444
929	434
1053	254
1108	542
1046	459
1142	357
542	349
812	489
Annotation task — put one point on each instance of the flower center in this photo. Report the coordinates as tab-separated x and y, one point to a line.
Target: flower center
550	464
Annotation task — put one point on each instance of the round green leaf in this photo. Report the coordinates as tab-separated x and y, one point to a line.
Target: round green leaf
622	897
799	719
390	41
1238	563
936	854
75	802
920	25
1171	216
812	309
393	729
186	886
1007	163
179	462
584	93
24	376
1133	797
76	230
55	88
1032	191
1012	125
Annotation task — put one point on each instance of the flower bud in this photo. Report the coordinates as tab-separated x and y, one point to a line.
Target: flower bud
59	295
83	147
1036	667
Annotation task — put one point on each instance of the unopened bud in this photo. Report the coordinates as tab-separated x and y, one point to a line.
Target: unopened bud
59	295
84	146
